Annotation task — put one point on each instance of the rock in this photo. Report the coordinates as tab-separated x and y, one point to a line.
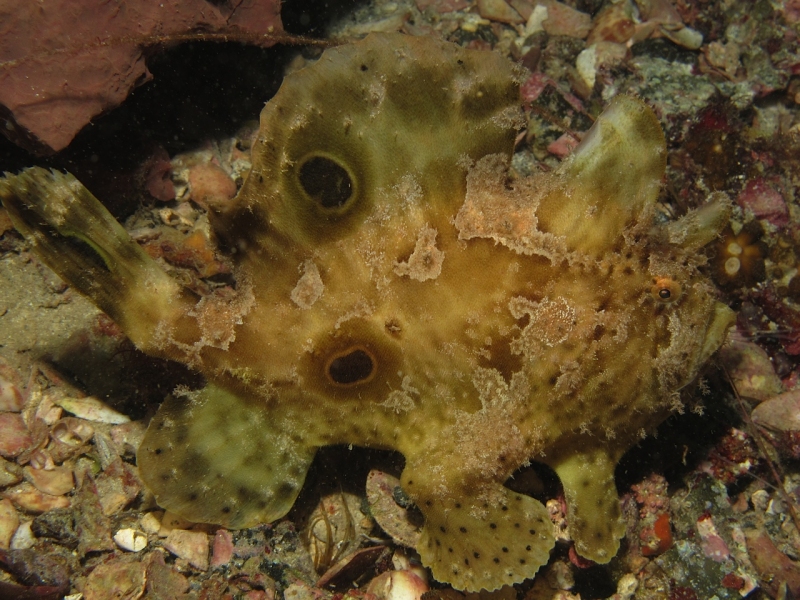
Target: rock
56	481
397	585
750	370
9	523
223	548
210	186
498	10
781	413
31	500
14	435
764	201
67	64
118	578
192	546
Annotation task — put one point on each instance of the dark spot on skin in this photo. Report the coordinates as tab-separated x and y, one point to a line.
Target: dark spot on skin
226	509
493	525
450	550
585	483
364	68
458	505
438	543
193	496
552	381
516	525
476	555
522	561
442	529
528	548
496	560
504	508
462	529
325	181
466	561
532	531
352	367
428	503
286	489
158	451
165	477
504	549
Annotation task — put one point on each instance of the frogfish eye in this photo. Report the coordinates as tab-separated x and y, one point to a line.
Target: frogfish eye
325	181
666	290
354	365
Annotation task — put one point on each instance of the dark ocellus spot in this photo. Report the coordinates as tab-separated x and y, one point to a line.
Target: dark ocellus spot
326	181
350	368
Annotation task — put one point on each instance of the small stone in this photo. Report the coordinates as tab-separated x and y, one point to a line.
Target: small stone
130	539
9	523
394	519
764	201
23	538
222	549
14	435
11	398
397	585
31	500
565	20
118	579
151	522
192	546
92	409
499	10
751	370
210	186
10	473
781	413
56	481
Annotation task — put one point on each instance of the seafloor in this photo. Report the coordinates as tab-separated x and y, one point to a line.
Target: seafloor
711	502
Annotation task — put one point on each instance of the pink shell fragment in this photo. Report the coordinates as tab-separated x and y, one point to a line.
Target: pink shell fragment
14	435
764	201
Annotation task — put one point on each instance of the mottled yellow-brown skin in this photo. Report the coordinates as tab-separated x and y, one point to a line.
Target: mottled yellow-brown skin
395	290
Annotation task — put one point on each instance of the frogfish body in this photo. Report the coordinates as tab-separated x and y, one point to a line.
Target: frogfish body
396	289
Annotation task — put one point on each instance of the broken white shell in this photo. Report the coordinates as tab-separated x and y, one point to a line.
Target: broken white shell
130	539
92	409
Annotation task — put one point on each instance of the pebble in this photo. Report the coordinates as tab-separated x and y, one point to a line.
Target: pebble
11	398
14	435
192	546
151	522
92	409
393	519
56	481
31	500
9	523
499	10
222	549
23	538
751	370
116	578
397	585
130	539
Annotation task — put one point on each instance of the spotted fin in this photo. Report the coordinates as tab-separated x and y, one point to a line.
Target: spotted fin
594	515
486	545
213	457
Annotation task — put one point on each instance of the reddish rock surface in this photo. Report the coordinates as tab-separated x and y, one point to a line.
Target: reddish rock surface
64	62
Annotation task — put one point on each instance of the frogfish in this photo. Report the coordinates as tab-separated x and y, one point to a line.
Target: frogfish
397	288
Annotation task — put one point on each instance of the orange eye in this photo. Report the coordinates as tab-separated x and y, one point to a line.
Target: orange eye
352	366
665	290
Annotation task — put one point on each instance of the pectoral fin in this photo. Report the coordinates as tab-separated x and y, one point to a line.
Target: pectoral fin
594	515
74	234
500	539
213	457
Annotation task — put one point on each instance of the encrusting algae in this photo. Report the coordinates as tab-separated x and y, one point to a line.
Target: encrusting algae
395	290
